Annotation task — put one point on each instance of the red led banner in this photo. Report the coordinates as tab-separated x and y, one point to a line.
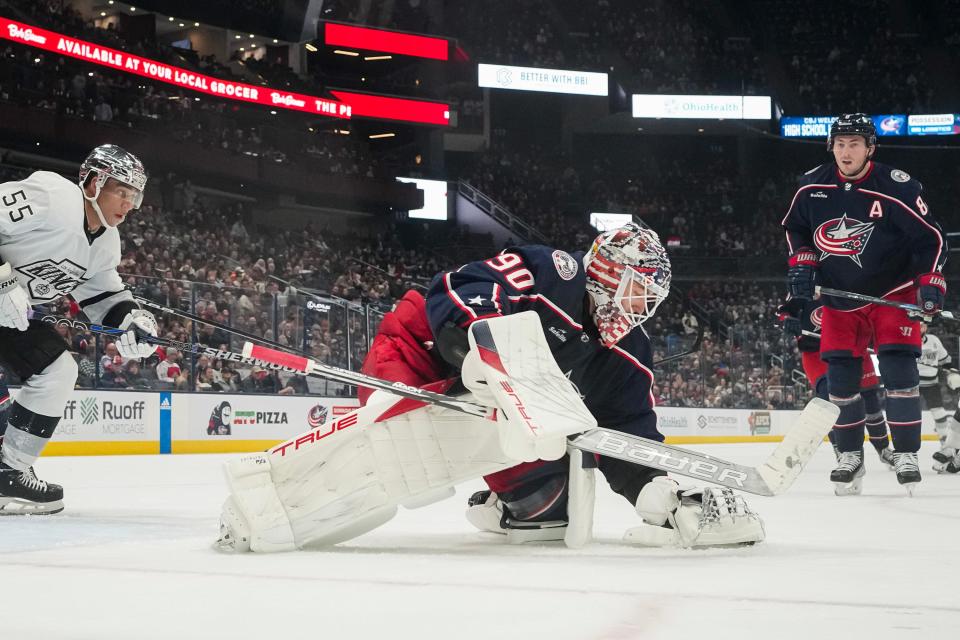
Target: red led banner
161	72
365	105
368	106
343	35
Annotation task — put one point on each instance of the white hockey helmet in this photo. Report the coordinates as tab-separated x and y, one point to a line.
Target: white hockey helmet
628	276
111	161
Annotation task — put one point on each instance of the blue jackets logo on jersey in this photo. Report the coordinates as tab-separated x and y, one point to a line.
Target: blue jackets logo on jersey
843	237
816	317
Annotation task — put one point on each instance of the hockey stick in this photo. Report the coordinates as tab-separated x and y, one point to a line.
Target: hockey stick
186	315
911	309
323	371
196	348
694	348
771	478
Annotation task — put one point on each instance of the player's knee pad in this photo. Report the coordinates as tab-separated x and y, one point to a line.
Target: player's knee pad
843	376
47	391
34	416
900	375
871	402
899	371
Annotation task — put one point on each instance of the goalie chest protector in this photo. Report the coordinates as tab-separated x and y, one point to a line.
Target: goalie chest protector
616	384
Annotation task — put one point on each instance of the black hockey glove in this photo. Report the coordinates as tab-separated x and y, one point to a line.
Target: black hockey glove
802	274
789	318
931	291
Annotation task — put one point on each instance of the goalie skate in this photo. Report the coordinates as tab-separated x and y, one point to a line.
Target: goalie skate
720	519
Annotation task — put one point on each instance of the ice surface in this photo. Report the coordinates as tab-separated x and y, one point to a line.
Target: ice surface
130	558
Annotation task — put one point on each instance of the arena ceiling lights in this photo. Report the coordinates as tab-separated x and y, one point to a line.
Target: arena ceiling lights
647	105
585	83
384	41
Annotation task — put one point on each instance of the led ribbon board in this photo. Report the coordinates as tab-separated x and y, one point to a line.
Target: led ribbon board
897	124
383	41
365	105
346	104
169	74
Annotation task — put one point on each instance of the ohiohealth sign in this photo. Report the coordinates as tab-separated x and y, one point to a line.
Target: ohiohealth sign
647	105
584	83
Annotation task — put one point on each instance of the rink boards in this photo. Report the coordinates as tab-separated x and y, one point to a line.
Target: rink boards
127	422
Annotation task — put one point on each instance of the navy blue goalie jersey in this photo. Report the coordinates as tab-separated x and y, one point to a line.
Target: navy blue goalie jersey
874	235
616	384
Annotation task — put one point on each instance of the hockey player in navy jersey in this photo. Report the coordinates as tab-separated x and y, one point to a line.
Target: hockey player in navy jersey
803	320
857	225
552	344
591	306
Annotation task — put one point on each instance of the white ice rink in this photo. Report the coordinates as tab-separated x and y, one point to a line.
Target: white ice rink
130	558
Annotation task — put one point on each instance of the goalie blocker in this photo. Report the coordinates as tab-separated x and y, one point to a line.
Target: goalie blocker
346	478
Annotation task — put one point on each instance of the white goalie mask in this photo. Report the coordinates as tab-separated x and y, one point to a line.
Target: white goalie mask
111	161
628	276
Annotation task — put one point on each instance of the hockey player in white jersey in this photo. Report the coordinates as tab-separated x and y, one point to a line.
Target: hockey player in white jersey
57	238
932	357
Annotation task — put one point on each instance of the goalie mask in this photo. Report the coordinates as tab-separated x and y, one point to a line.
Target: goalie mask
111	161
628	276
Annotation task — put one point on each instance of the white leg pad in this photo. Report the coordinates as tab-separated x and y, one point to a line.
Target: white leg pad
952	435
429	498
253	512
346	478
580	500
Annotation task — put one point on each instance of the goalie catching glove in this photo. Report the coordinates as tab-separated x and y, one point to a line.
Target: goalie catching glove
510	367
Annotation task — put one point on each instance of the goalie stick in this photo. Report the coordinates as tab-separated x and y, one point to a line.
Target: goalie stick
694	348
771	478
